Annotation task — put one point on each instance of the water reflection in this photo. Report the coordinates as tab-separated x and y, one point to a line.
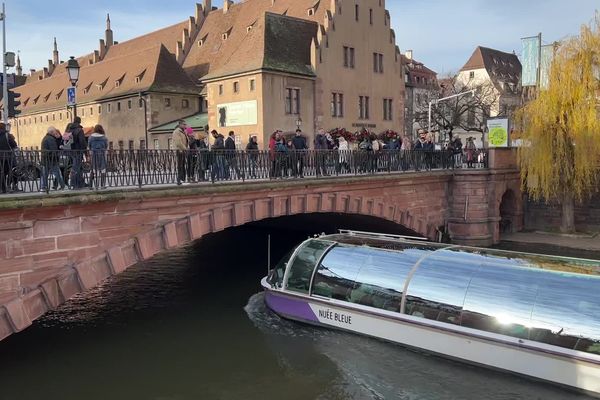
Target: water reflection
191	324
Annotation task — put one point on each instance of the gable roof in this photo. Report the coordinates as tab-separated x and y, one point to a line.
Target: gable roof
244	46
502	67
151	69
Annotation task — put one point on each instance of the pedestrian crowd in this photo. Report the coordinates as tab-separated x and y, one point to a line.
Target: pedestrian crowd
73	160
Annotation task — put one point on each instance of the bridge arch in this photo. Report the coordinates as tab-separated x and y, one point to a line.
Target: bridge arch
182	230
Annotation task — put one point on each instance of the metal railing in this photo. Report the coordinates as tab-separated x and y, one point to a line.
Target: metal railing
45	171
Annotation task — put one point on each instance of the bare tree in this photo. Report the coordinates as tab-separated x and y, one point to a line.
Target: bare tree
469	112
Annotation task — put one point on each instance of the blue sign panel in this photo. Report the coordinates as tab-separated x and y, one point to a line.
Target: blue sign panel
71	97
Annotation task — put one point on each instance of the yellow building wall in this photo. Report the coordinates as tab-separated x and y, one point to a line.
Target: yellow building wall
366	39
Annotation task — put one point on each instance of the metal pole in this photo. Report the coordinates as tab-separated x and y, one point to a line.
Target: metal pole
429	124
5	78
269	254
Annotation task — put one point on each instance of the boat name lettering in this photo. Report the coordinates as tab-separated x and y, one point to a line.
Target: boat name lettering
334	316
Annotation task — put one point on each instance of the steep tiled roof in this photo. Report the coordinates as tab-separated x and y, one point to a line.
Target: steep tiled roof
502	67
148	69
275	43
242	45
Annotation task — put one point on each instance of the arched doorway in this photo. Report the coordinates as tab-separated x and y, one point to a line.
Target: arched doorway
508	212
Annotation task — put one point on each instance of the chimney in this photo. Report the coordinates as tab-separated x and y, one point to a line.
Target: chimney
50	67
45	73
409	54
108	36
226	5
207	6
31	71
55	57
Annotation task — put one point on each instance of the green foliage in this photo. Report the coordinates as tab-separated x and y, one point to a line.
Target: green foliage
561	128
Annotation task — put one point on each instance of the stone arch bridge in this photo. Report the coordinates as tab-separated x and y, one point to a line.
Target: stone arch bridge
52	248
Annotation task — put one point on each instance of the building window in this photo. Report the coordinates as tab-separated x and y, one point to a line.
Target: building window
129	104
110	145
363	107
167	102
109	107
236	87
371	16
348	57
118	106
131	145
185	103
252	85
142	144
356	12
170	144
59	117
91	111
292	101
337	105
156	144
121	145
378	63
472	75
141	102
100	109
387	109
220	90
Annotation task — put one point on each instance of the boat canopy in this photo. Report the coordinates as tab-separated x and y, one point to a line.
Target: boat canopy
547	299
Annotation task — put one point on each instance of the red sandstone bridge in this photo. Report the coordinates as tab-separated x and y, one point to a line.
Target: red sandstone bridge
55	246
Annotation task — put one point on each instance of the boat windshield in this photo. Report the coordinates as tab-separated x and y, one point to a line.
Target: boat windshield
276	275
303	265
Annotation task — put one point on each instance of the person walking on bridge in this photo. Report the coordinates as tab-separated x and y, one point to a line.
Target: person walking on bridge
78	149
7	147
181	145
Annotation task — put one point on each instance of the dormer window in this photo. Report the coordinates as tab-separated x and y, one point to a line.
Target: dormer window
102	85
35	101
139	77
86	89
47	97
119	81
224	36
311	12
57	97
248	29
202	40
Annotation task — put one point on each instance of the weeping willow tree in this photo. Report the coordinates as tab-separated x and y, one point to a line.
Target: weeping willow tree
560	158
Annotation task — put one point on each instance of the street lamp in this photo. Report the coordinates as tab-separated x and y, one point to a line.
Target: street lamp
299	122
73	70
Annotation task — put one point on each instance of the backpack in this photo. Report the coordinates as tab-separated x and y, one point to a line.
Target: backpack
365	145
67	143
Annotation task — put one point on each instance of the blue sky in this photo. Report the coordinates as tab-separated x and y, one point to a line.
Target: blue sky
442	33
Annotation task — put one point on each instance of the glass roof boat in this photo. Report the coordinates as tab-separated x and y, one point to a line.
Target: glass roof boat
529	314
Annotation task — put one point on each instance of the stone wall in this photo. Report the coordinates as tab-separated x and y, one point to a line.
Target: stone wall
544	217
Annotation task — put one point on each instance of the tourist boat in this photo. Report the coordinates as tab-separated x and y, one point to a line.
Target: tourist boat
533	315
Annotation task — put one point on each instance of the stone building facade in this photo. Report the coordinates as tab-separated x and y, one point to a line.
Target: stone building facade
421	87
252	67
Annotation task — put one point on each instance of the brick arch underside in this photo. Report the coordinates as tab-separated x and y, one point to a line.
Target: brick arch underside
180	231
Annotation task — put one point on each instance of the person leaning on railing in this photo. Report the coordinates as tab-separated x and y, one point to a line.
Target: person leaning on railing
8	145
50	160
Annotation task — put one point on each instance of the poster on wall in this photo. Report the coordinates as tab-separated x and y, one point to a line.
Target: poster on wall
498	132
237	114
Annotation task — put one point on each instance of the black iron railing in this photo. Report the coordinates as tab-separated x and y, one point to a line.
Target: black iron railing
45	171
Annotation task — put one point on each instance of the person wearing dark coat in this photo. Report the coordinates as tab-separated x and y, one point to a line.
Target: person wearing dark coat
50	158
232	156
299	156
252	151
218	156
78	148
7	147
321	148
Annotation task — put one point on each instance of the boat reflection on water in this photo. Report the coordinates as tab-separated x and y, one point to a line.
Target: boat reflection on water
528	314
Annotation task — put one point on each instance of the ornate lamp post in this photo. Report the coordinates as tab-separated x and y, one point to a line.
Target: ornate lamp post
73	72
299	123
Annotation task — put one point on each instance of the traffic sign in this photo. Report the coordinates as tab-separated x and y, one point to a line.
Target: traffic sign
71	96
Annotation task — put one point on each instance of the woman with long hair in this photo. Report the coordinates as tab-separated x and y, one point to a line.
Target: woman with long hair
98	144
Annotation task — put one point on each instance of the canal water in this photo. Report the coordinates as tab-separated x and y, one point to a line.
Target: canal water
192	324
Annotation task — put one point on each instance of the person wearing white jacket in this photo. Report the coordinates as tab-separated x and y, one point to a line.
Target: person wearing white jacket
344	154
